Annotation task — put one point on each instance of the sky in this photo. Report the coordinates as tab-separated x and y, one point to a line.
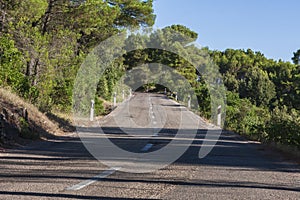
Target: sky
269	26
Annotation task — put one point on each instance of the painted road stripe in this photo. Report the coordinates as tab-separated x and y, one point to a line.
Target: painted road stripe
155	134
147	147
94	179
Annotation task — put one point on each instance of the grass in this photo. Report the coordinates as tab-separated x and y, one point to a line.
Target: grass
38	124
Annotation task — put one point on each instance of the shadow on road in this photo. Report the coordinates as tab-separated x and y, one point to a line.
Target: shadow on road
70	154
230	150
68	196
208	183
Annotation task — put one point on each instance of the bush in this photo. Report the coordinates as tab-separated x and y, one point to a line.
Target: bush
245	118
279	126
284	127
25	131
99	108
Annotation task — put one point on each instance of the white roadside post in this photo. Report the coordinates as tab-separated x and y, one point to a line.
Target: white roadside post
115	99
219	116
165	90
176	97
123	95
25	114
189	101
92	110
130	92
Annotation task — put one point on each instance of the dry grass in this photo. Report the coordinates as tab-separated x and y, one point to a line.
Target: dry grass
11	106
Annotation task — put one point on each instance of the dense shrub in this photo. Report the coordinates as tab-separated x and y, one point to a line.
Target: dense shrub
244	117
284	127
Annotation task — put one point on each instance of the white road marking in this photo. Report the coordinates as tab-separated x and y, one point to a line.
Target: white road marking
147	147
155	134
94	179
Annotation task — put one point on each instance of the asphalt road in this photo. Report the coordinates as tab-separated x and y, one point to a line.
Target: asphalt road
147	124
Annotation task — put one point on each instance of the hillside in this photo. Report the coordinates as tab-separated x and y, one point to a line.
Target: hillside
23	122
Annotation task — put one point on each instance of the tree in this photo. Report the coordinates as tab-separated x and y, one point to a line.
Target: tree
257	86
11	65
296	57
54	36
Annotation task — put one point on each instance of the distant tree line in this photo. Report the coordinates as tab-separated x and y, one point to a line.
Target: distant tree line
263	95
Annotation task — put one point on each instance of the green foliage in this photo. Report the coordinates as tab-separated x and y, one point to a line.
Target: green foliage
265	82
284	127
256	86
99	108
174	38
244	117
203	98
263	95
44	42
25	131
185	35
11	65
296	57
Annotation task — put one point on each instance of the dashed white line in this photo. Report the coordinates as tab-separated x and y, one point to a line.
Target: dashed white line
147	147
94	179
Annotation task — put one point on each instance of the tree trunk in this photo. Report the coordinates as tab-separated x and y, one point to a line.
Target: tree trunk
32	70
2	17
47	16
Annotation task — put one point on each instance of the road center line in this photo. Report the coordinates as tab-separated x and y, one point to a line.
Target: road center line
147	147
155	134
94	179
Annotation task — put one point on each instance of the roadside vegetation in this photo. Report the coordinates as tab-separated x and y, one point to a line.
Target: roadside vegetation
263	98
22	120
43	43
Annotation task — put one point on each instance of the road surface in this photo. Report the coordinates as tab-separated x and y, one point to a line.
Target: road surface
62	168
